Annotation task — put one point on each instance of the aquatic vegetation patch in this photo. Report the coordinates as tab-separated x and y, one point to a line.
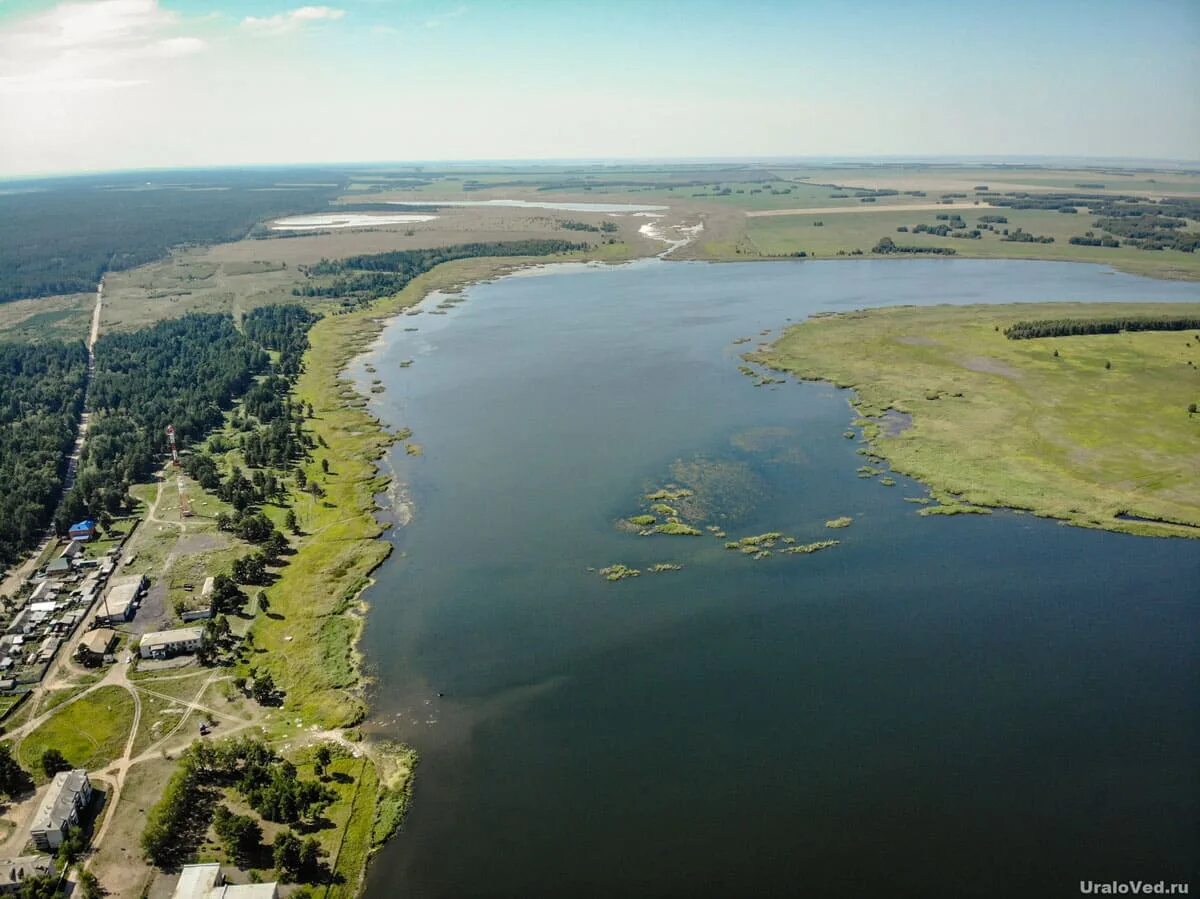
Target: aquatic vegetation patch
642	521
807	548
664	509
888	482
414	449
922	500
660	567
678	529
843	522
756	542
728	489
955	509
618	572
670	492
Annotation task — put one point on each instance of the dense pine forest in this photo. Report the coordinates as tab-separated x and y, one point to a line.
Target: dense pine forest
1067	327
60	236
41	397
364	278
186	372
283	329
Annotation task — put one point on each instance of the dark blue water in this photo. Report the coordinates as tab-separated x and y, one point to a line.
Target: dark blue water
967	706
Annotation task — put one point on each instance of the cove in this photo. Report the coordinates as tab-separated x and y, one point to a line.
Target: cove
966	706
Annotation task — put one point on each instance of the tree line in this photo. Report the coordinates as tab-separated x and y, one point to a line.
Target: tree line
887	246
41	398
1068	327
364	278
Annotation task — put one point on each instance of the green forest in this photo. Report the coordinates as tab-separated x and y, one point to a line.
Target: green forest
364	278
184	372
41	398
1068	327
60	236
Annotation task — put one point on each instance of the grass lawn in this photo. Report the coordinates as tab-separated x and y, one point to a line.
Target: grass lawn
1007	423
90	732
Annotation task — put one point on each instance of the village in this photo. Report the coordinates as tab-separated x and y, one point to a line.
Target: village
129	611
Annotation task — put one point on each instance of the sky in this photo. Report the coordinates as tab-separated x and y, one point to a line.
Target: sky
126	84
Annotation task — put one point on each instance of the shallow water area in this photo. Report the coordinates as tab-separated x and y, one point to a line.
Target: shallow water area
945	706
334	221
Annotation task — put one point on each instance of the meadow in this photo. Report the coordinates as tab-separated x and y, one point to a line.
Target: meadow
1095	430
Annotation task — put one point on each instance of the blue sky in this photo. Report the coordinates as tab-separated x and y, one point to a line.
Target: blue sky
131	83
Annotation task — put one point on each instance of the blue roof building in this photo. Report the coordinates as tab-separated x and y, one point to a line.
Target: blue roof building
83	530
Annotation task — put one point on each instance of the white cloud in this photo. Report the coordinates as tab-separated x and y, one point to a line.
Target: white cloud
89	46
176	46
293	19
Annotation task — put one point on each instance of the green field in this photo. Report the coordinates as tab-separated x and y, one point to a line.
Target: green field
90	732
845	232
1101	428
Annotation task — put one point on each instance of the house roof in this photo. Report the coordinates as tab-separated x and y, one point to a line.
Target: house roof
179	635
60	800
15	870
97	642
86	525
203	882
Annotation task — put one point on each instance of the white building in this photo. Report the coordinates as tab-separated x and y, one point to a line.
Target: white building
69	793
164	644
207	882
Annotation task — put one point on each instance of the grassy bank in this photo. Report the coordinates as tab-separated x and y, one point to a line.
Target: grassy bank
1080	428
309	641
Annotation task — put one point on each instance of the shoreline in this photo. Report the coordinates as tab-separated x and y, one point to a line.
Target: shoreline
959	455
325	586
312	645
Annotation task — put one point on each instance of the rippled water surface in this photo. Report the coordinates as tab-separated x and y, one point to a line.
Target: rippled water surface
968	706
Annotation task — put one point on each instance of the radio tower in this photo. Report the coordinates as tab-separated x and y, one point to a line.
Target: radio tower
185	508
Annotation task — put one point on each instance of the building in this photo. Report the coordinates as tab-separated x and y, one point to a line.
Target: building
204	608
207	882
59	568
120	602
48	648
95	645
164	644
68	794
15	871
84	530
72	550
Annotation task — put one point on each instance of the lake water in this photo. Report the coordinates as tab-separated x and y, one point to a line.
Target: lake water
336	220
964	706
